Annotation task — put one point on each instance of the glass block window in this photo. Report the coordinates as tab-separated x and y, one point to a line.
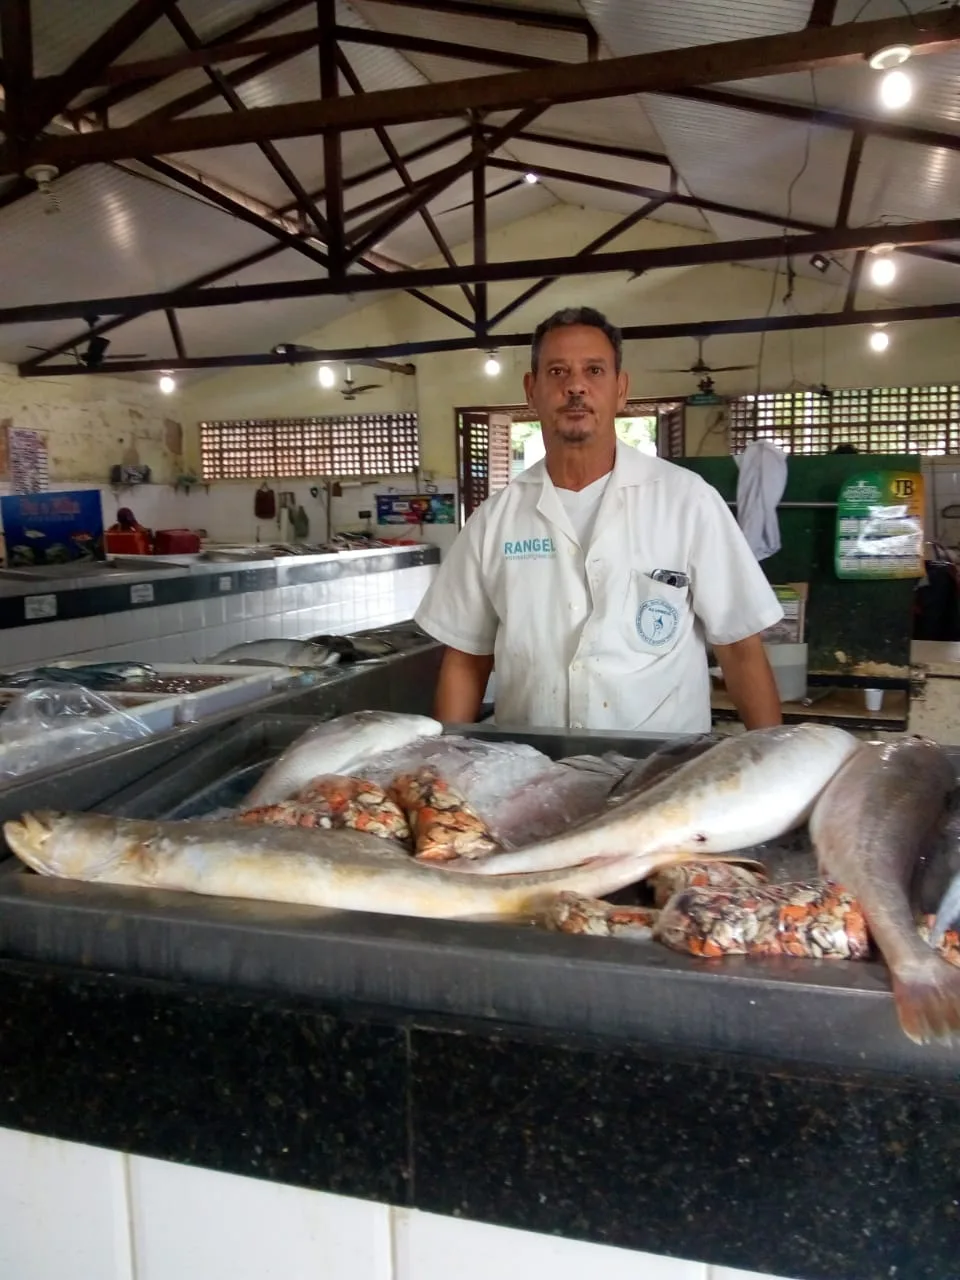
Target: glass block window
922	420
362	445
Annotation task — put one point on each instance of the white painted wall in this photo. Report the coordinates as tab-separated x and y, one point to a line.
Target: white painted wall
90	422
72	1210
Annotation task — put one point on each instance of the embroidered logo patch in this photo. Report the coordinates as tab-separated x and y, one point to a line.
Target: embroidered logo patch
657	622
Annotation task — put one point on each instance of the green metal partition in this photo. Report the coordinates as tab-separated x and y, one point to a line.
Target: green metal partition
855	630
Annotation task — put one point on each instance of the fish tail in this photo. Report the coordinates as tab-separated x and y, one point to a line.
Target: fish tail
928	1001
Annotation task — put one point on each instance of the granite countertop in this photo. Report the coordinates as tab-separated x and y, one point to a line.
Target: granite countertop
779	1169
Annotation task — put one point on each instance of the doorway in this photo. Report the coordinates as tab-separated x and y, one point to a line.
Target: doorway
494	445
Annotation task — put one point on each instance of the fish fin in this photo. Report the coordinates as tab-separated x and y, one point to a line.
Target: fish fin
948	912
928	1002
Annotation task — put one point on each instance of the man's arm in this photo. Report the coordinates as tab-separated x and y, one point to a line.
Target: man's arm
750	683
460	688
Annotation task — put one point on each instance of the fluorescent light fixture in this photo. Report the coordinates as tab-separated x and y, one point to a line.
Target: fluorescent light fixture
326	376
894	55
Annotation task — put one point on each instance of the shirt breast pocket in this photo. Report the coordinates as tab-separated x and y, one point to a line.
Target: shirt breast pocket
655	614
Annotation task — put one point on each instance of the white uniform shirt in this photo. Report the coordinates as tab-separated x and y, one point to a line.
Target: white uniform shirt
587	639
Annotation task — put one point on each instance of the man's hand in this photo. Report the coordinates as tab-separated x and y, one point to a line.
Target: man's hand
750	683
461	686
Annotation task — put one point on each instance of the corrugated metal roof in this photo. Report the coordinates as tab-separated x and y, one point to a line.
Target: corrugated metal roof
776	167
474	32
114	234
643	26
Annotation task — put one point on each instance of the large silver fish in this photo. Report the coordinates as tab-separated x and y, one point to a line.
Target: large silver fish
338	747
338	869
742	792
870	828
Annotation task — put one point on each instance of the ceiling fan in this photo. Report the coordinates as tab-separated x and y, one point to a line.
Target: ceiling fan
95	353
350	390
701	367
298	352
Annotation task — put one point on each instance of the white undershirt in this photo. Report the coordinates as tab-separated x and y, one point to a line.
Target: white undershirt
581	506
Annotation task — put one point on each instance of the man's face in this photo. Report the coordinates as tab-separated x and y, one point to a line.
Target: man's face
576	392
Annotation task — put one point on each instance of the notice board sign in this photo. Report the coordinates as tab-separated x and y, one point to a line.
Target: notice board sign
416	508
53	528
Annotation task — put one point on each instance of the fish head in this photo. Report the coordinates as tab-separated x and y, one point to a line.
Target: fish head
29	837
78	846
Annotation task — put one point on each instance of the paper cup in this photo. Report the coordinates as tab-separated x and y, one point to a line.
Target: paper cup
873	698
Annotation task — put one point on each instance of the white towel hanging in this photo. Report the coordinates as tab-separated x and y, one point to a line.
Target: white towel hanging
760	486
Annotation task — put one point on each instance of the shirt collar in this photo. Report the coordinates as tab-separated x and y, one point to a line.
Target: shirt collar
630	467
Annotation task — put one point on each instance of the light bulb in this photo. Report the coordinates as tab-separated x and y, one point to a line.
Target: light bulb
167	384
896	90
879	340
883	270
326	376
531	178
492	367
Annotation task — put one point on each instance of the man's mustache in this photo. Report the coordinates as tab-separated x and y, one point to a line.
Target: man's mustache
575	402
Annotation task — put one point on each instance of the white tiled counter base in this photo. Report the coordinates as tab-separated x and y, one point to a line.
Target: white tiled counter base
199	629
68	1210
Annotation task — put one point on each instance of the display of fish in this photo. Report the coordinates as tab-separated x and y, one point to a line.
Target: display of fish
869	829
96	675
742	792
345	870
661	764
277	653
338	746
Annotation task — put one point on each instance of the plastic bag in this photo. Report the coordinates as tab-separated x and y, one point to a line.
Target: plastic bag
726	877
335	803
519	793
444	826
949	947
49	725
574	913
814	919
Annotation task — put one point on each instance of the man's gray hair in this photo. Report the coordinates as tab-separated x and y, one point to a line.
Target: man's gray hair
577	316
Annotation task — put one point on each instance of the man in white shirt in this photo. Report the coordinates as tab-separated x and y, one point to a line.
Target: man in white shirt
596	579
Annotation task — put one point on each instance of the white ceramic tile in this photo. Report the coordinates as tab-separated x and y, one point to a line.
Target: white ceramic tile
428	1247
273	627
252	602
271	600
144	624
214	612
88	633
191	1224
254	629
169	619
63	1210
50	640
288	599
233	608
726	1273
305	595
192	611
